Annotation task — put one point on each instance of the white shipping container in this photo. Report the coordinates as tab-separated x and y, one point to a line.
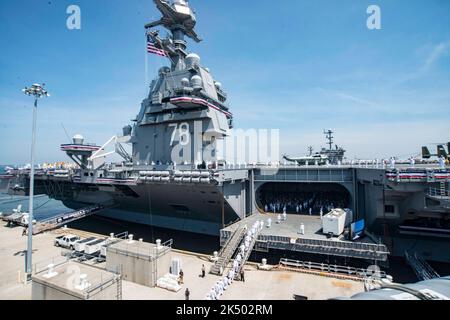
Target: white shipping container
80	245
334	222
94	247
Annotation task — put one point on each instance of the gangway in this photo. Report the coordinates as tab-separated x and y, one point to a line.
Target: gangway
62	219
420	267
227	251
246	255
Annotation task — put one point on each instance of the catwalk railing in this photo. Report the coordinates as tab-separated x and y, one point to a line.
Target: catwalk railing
330	247
332	269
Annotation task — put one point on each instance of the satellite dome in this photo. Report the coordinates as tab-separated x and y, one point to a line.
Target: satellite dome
218	85
185	82
207	70
196	82
78	139
192	60
163	70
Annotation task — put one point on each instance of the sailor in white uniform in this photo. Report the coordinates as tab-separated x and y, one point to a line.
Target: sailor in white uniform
302	229
213	294
225	283
442	162
219	289
231	274
392	162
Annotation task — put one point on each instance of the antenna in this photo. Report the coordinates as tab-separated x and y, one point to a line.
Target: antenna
329	136
310	149
65	131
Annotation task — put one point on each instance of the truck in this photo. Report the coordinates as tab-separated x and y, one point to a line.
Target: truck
66	241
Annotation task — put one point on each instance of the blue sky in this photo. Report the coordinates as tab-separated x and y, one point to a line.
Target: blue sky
298	65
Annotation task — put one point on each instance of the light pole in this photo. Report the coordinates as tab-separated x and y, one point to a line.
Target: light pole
37	91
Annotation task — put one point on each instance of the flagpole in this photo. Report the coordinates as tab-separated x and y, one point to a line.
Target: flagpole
146	64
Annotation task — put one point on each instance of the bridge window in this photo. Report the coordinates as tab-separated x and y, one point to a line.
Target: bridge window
389	208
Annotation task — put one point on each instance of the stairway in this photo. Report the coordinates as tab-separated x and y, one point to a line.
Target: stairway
227	251
420	267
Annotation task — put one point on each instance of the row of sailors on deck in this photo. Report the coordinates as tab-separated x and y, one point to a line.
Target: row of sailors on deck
299	209
303	202
218	289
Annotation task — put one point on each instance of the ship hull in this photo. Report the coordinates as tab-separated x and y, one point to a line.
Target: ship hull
191	208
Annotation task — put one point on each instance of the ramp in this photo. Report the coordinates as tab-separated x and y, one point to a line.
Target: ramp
65	218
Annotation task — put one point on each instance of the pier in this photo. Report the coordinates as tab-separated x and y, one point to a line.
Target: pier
259	284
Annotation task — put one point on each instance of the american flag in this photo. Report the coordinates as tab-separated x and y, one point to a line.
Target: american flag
152	49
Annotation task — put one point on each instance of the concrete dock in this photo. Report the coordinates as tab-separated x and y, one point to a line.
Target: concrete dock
259	284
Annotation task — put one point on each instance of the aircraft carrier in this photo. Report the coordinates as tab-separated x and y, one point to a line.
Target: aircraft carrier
177	177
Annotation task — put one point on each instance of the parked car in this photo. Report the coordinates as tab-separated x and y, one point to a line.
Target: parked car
67	241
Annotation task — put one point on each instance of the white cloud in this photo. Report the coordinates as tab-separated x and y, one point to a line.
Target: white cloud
436	53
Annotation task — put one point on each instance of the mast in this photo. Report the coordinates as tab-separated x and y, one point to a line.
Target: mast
179	19
329	137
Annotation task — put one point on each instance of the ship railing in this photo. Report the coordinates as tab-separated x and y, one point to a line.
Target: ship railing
337	247
435	192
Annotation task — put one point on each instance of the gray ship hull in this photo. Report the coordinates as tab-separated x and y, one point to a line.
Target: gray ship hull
196	209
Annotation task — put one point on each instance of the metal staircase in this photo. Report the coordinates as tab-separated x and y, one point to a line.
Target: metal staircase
227	251
246	256
420	267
